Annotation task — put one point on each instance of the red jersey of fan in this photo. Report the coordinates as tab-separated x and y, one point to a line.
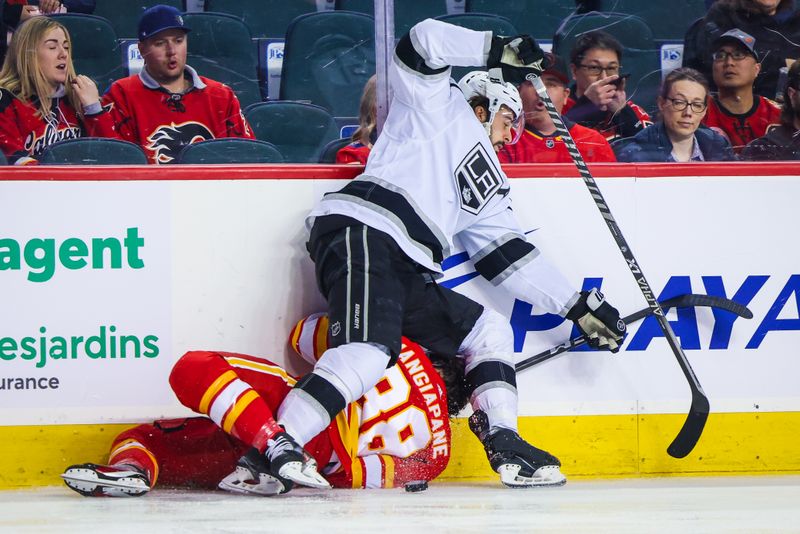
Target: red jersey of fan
397	432
162	123
355	153
743	128
535	147
24	134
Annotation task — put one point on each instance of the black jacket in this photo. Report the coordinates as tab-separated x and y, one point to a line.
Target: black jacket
774	41
780	143
653	145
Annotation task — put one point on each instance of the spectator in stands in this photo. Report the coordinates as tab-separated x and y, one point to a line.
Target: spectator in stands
678	136
168	105
783	142
540	143
363	138
42	101
736	112
16	11
599	100
775	25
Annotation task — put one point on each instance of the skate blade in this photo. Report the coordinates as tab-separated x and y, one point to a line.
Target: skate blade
97	488
241	481
549	475
305	477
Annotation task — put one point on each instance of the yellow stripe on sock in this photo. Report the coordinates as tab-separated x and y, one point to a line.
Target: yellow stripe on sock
294	338
321	337
130	444
226	378
237	409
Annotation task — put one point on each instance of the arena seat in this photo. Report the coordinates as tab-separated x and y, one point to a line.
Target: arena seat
668	20
230	150
327	59
298	129
220	47
93	151
328	153
95	48
266	18
539	18
124	14
406	13
478	22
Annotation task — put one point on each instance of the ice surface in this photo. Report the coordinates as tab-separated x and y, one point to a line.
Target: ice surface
675	505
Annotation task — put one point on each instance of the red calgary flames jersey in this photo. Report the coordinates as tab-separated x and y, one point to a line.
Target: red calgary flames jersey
534	147
741	129
162	123
24	134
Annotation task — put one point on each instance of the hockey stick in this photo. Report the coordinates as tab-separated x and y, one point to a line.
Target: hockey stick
692	428
682	301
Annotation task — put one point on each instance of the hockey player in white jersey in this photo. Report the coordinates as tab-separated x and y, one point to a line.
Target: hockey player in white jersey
378	244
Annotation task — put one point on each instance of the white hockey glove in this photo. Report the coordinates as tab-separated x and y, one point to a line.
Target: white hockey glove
517	57
598	320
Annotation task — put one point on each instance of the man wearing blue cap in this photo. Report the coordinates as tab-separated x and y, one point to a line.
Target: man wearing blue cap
168	105
735	112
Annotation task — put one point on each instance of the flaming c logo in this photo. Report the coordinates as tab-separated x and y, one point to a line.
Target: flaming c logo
167	141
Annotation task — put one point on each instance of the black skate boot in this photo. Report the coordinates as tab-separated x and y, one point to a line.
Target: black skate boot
92	480
289	460
519	464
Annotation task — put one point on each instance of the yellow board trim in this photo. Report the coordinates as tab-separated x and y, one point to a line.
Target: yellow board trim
223	380
603	446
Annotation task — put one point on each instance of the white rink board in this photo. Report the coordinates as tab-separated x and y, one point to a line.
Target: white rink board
224	267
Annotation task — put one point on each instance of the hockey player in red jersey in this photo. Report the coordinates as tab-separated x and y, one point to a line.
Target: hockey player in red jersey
396	433
168	105
42	100
540	142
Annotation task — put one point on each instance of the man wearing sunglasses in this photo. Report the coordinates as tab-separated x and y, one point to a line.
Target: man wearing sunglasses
736	112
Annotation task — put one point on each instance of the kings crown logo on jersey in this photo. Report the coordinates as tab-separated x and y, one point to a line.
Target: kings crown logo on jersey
167	141
478	180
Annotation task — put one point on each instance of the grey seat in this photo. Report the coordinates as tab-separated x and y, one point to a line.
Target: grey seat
230	150
93	151
265	18
299	130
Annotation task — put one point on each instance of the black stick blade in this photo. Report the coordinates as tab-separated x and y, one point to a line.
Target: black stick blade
692	428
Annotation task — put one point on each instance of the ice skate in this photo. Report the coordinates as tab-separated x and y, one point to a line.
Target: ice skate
519	464
92	480
252	477
288	460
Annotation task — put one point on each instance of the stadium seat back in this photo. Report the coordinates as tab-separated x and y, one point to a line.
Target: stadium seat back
406	13
245	86
93	151
220	48
329	151
266	18
95	49
668	20
478	22
327	59
230	150
539	18
299	130
631	31
124	14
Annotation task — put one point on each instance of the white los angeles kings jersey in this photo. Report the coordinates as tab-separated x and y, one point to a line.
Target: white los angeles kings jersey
433	173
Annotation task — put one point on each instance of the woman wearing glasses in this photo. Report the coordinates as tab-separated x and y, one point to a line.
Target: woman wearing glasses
678	136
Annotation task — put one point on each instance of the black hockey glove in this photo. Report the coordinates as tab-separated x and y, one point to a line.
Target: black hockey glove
517	57
598	320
